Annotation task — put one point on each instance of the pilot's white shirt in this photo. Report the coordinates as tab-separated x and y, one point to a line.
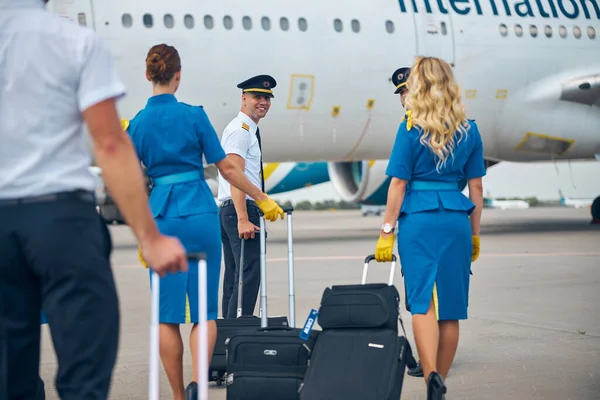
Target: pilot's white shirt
239	137
52	70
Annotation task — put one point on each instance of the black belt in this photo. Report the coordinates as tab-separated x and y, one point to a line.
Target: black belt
52	197
229	202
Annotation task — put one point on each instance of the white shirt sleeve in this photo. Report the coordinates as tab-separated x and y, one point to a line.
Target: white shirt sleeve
237	142
98	79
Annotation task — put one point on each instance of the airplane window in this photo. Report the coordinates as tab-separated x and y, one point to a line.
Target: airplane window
503	29
518	30
533	30
444	28
169	21
562	31
337	25
389	26
228	22
266	23
247	23
548	31
188	21
577	32
148	20
127	20
302	24
591	32
209	23
355	26
284	24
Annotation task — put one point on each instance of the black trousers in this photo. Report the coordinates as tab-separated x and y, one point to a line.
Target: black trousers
54	256
231	258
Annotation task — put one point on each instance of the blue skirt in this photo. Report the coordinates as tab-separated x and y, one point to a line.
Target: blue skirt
179	291
434	248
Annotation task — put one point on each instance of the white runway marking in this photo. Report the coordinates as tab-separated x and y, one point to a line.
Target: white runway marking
493	255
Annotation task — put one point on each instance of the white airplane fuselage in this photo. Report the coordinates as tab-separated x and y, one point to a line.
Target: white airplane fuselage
534	98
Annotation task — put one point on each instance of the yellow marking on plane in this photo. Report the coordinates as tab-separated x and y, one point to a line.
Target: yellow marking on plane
371	162
297	92
268	169
501	94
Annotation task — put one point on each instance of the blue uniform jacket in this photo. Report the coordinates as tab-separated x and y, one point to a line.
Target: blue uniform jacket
171	137
410	160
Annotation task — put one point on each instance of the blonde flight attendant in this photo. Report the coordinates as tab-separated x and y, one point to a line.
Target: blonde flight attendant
438	227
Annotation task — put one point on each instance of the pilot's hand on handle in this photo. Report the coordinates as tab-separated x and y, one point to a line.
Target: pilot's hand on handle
246	229
385	245
270	209
475	250
164	254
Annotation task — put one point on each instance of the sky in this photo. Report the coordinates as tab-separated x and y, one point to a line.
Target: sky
542	180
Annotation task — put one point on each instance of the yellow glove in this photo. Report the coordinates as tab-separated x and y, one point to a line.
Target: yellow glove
141	257
383	250
475	252
270	209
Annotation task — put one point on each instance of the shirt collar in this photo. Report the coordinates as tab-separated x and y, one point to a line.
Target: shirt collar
247	120
160	98
20	4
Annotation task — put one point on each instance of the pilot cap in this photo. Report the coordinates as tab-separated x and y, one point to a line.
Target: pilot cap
260	85
400	77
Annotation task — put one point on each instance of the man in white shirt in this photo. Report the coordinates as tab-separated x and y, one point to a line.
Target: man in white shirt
54	247
239	214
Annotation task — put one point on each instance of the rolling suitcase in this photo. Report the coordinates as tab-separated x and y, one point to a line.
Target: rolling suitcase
269	362
153	382
359	354
226	326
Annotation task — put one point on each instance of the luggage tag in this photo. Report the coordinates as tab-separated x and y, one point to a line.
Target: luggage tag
309	324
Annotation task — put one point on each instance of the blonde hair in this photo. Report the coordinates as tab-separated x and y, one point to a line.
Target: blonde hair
436	106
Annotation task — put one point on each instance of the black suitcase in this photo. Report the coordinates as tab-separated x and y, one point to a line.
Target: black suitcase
226	326
359	354
269	362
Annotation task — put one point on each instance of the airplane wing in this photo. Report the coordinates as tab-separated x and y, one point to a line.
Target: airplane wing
583	90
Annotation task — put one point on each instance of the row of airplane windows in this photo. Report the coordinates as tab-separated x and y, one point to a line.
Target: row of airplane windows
265	22
562	31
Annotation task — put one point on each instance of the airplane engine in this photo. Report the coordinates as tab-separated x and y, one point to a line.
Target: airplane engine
362	182
365	182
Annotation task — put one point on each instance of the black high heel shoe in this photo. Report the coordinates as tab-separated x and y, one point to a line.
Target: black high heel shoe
436	389
191	391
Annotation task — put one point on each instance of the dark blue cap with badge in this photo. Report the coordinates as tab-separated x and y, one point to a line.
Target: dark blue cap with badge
260	85
400	77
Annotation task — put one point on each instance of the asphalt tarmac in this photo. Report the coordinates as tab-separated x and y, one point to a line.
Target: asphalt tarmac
534	317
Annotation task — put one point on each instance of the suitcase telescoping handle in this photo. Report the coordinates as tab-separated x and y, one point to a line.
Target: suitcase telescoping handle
153	384
370	258
263	271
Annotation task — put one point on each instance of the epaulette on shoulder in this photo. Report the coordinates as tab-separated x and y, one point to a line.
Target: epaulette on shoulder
193	108
409	122
245	126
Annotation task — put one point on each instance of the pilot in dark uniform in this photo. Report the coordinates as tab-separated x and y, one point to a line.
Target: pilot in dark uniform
399	79
239	214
